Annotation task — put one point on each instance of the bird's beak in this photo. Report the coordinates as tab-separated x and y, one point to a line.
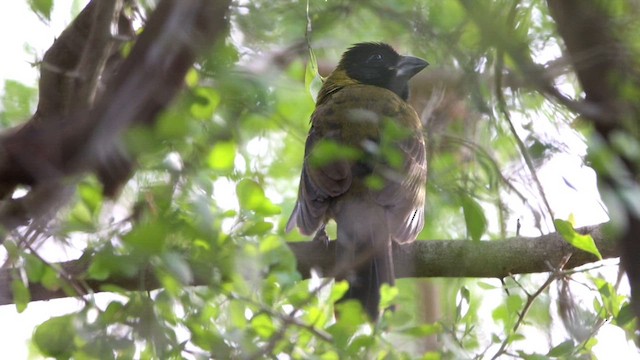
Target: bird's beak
408	66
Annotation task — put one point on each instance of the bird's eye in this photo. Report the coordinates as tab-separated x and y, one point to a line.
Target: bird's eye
374	59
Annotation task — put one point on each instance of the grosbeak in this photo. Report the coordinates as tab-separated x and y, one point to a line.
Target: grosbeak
364	167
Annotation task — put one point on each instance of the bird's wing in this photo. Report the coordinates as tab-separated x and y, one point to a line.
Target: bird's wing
319	183
403	193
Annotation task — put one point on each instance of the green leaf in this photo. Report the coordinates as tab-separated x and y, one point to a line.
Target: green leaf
514	303
387	295
326	152
17	102
431	356
148	238
251	197
625	315
21	294
423	330
270	243
237	314
561	349
339	289
258	228
205	104
222	156
263	325
34	267
350	317
55	337
582	242
473	217
50	279
91	194
42	7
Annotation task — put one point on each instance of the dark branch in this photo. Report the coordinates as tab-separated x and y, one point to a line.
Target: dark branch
47	152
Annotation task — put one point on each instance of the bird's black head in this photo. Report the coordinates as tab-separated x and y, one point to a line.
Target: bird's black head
380	65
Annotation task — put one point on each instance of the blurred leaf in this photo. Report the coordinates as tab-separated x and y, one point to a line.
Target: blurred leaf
423	330
447	15
51	279
206	103
625	315
21	294
350	317
106	263
388	295
237	314
564	348
148	238
55	337
339	289
431	356
263	325
258	228
582	242
34	267
251	197
222	156
325	152
42	8
17	102
474	217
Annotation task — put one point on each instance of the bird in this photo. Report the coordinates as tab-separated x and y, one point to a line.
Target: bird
364	167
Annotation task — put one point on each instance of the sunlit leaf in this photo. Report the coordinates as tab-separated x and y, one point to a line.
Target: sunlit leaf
350	317
325	152
222	156
388	295
17	102
582	242
263	325
206	103
251	197
423	330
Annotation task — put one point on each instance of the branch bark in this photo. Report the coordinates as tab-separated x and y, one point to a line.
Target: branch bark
433	258
56	146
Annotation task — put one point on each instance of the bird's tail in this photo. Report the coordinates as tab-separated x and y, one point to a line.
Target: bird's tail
364	259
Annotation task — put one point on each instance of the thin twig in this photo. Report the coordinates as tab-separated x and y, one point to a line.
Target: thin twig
527	306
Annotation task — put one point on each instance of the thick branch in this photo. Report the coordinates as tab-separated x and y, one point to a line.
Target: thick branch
44	153
443	258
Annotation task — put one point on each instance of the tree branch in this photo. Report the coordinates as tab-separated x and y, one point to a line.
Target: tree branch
441	258
45	153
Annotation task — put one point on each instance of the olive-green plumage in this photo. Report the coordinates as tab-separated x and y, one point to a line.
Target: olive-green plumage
374	187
